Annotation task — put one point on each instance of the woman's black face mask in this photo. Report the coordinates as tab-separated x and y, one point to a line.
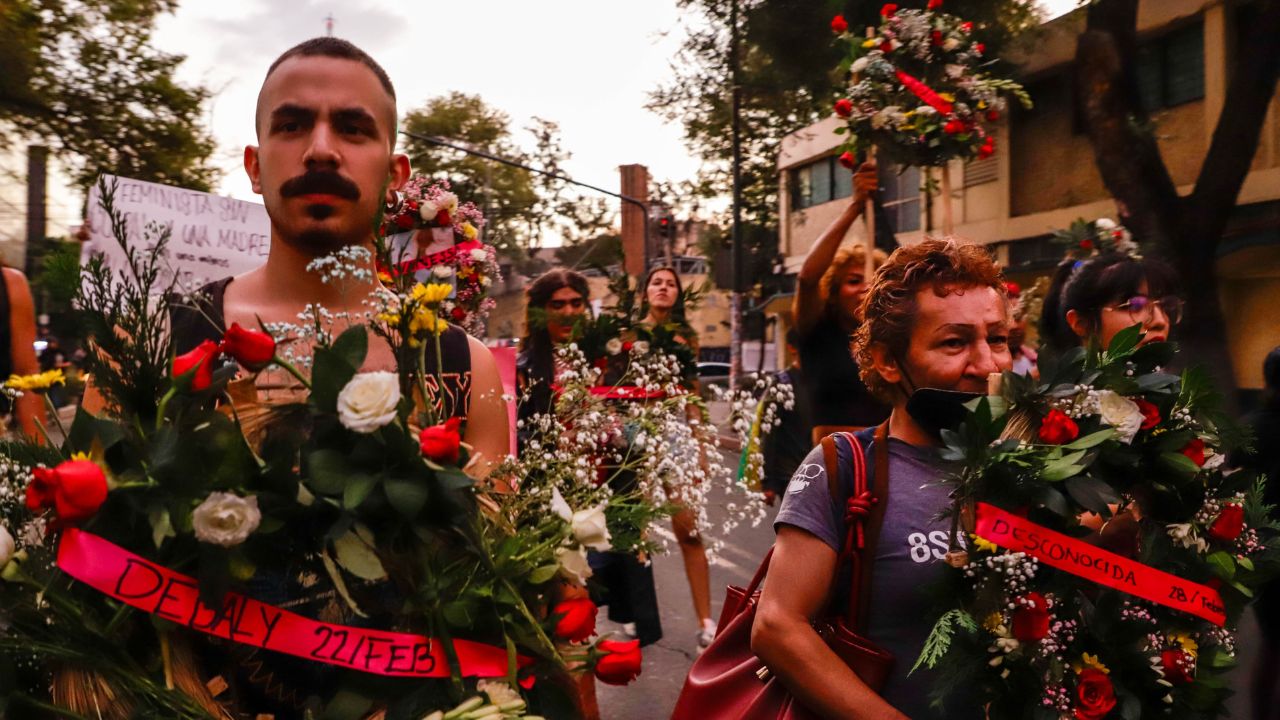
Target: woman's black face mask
936	410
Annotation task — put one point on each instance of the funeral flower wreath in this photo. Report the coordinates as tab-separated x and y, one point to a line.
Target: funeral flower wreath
920	90
1112	551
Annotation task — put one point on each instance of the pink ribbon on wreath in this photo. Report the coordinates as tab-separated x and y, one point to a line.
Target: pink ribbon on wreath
925	93
157	590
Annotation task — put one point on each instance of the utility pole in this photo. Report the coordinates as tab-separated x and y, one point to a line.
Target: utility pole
738	251
37	218
328	25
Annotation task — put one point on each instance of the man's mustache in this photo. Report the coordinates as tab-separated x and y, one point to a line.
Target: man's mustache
320	183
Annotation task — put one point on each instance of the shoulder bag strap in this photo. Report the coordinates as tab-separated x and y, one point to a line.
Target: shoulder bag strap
860	593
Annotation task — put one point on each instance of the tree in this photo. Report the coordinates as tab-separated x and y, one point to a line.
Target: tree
82	75
523	207
1187	230
789	80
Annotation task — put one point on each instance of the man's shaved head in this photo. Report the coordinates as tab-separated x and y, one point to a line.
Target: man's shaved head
332	47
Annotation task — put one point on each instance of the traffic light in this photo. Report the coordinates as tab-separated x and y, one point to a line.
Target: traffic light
666	226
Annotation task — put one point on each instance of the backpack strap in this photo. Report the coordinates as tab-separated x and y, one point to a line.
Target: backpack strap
862	590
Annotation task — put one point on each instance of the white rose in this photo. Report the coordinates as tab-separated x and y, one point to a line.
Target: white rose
860	64
1120	413
485	281
574	563
225	519
1104	224
7	546
1214	460
950	44
640	348
369	401
442	271
448	201
499	693
428	210
479	255
614	346
589	526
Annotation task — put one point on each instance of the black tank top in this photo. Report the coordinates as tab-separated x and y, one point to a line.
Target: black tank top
201	317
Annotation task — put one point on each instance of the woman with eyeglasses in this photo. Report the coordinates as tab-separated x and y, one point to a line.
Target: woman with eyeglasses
556	301
1100	296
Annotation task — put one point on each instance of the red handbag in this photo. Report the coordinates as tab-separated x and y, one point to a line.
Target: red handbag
728	681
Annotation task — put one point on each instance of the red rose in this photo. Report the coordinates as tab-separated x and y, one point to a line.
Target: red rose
577	621
1058	428
1178	666
993	115
620	663
601	363
199	363
848	160
1150	413
458	313
838	25
75	489
844	107
1094	695
988	148
443	219
1086	244
441	443
889	10
253	349
935	4
935	37
966	26
1013	289
1031	619
980	48
404	222
953	127
1230	523
1195	451
886	47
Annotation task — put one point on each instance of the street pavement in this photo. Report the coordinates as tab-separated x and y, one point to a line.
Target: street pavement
653	695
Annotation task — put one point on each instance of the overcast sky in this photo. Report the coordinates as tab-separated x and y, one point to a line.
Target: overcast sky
585	64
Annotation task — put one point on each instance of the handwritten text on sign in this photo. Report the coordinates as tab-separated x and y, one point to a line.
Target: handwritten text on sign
1068	554
154	589
212	237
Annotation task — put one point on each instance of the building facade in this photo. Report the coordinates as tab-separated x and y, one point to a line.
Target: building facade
1044	175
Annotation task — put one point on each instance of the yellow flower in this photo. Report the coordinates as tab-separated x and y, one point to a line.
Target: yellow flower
388	318
993	623
1087	661
38	381
1186	642
80	456
430	294
870	42
426	320
384	277
948	97
469	231
467	271
983	544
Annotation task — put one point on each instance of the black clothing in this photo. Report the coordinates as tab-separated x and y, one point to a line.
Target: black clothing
203	319
1265	460
787	444
831	383
533	383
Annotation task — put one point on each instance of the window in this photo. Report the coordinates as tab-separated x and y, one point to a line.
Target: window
819	182
1171	68
900	195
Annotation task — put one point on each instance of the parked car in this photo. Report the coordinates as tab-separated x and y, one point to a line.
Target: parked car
713	373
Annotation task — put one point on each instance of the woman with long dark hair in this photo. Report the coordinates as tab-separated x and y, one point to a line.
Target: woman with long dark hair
662	309
556	300
1096	298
